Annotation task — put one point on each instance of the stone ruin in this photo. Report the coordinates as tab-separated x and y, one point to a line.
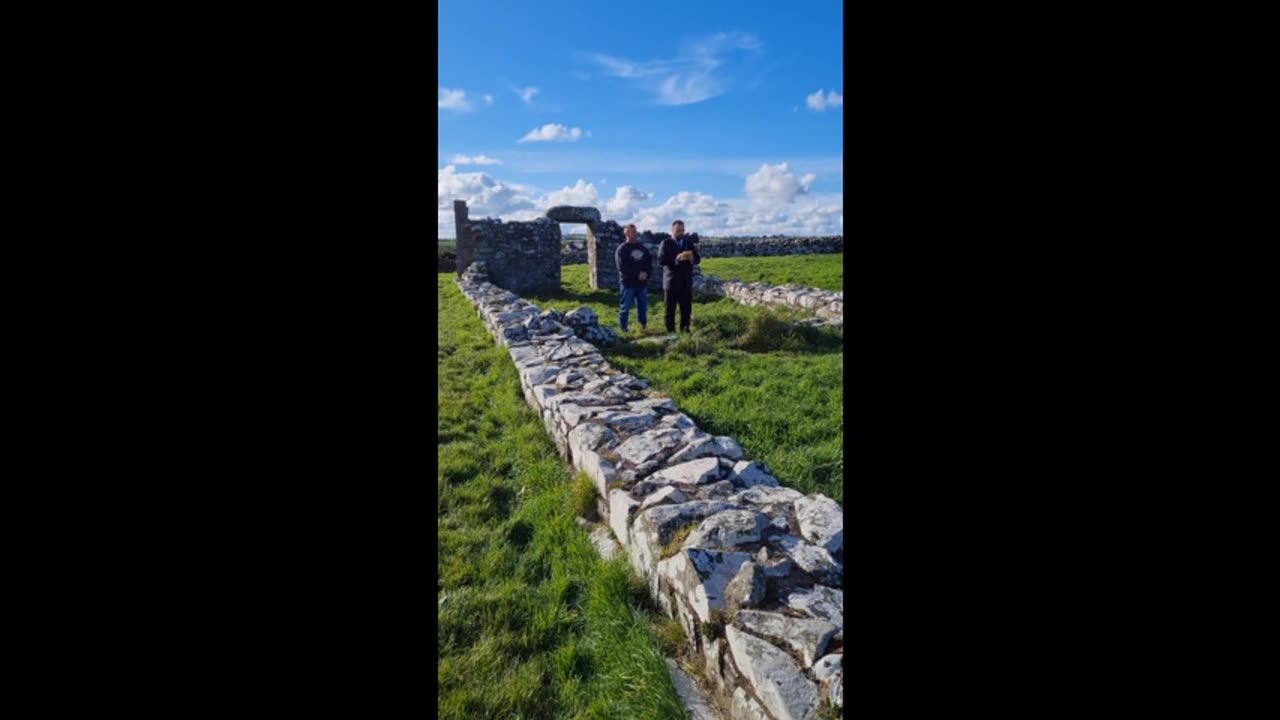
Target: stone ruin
518	256
526	256
755	581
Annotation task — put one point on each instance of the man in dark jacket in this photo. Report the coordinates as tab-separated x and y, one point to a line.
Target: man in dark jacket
635	262
677	256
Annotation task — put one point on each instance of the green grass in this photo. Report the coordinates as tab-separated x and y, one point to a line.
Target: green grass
825	272
532	622
747	372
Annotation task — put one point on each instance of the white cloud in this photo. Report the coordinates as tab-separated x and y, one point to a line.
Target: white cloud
775	185
485	197
688	77
475	160
583	193
488	99
818	102
777	203
552	132
452	100
527	94
626	201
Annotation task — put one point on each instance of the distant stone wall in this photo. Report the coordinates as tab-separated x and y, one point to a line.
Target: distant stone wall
519	256
575	253
755	583
739	247
824	303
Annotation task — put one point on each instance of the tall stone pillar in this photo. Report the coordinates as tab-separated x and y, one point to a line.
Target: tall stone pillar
462	231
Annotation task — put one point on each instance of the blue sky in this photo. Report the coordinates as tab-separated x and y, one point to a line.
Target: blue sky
727	114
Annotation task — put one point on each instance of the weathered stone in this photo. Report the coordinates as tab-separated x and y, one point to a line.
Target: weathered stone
580	316
605	544
654	528
694	472
543	394
812	559
573	414
746	589
719	446
591	436
679	421
728	530
669	495
745	707
821	522
774	565
540	374
749	473
701	576
694	701
666	405
765	495
828	667
819	601
621	507
721	489
808	637
572	214
600	470
648	446
785	692
626	422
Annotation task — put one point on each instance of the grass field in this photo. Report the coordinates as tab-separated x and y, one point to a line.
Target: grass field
825	272
532	622
746	372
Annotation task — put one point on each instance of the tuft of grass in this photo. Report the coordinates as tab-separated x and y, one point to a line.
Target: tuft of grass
582	497
670	634
677	539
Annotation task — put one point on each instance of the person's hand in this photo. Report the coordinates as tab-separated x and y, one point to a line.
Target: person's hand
644	276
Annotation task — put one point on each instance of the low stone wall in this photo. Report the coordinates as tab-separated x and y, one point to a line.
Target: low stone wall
755	580
824	303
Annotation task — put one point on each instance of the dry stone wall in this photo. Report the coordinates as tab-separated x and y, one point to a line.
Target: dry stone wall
827	305
520	256
756	578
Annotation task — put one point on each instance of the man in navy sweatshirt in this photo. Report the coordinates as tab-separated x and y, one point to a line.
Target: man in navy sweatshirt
677	256
635	262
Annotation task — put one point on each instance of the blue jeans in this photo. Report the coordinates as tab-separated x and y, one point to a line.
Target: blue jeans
640	296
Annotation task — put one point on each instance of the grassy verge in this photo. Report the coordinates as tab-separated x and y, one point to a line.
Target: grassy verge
825	272
532	623
747	372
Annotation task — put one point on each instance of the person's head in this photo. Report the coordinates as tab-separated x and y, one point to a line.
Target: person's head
677	228
630	232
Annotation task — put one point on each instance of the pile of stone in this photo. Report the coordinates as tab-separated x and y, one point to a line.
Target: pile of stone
755	579
543	325
827	305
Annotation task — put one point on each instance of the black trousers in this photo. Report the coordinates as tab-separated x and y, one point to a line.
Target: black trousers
678	293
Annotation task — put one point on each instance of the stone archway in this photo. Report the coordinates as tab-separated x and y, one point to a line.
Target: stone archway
603	237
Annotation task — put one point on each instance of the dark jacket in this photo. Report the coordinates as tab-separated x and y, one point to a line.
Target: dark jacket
678	271
630	266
